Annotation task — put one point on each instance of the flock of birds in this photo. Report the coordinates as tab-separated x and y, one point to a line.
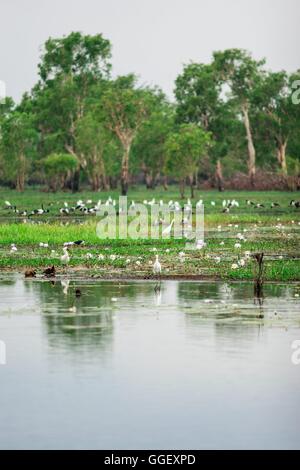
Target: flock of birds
89	208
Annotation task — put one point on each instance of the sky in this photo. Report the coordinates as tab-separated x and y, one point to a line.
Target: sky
152	38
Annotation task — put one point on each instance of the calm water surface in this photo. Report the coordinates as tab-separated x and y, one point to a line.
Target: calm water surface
123	367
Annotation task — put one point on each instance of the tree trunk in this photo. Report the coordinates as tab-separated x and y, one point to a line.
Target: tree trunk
76	181
165	182
219	176
191	181
251	148
149	181
125	171
95	182
105	183
20	184
281	156
113	182
181	187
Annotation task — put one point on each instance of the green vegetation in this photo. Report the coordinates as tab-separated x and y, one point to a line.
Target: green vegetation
274	231
240	116
80	128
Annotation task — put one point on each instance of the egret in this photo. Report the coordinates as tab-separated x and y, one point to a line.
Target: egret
65	258
166	232
157	267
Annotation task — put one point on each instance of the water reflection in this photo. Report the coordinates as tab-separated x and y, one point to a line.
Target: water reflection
122	365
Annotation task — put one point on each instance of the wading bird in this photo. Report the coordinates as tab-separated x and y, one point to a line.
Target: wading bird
157	271
65	258
168	229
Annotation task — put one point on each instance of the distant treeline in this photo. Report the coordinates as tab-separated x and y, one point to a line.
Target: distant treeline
79	126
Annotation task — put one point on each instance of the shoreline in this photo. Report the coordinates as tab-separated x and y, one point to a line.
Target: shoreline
81	274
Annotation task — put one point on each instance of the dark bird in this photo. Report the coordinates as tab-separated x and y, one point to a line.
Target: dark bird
50	272
78	293
259	206
77	243
295	204
275	204
30	272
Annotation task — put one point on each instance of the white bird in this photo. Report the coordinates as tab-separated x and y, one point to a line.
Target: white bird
168	229
200	244
156	266
65	258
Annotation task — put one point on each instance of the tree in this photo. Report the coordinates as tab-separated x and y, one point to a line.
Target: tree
18	143
149	146
184	149
58	167
99	150
242	73
124	109
71	67
277	115
198	93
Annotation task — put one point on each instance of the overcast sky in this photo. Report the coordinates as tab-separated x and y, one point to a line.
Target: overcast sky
152	38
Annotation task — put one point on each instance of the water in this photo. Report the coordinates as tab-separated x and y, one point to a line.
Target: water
194	366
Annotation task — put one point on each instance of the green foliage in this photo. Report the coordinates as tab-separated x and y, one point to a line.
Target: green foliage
58	166
185	148
18	146
117	130
60	163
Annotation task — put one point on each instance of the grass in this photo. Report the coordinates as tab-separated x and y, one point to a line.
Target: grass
133	258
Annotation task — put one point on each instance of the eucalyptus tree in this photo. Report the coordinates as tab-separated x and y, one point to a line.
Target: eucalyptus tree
243	74
69	69
149	146
198	91
58	167
124	108
184	149
18	147
99	150
277	115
